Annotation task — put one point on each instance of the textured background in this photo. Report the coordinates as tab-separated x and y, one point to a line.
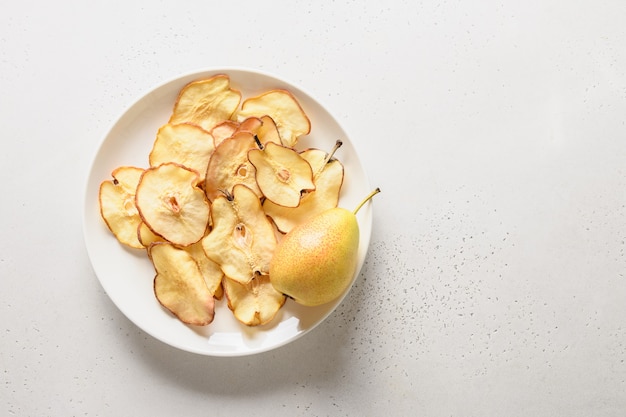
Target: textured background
496	276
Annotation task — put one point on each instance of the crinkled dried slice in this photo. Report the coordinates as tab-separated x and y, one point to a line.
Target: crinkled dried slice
255	303
206	102
185	143
223	131
171	203
242	240
328	178
281	173
229	165
179	285
211	271
284	109
263	128
117	205
268	131
251	125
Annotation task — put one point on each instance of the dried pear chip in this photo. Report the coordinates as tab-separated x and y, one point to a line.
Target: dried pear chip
268	131
263	128
251	125
211	271
206	102
255	303
328	179
117	205
223	131
229	165
242	240
185	143
291	120
180	286
172	205
281	173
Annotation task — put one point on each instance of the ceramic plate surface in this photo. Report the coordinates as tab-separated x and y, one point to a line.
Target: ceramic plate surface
127	275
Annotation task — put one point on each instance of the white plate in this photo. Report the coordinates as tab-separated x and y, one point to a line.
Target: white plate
126	275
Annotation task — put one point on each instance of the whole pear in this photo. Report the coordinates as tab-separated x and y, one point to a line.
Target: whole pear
315	262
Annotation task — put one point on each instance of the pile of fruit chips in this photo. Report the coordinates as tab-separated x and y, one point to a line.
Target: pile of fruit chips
225	182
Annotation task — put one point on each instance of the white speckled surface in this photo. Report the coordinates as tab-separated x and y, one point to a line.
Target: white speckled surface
495	283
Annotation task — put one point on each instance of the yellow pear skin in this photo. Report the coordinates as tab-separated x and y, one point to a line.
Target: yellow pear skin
315	262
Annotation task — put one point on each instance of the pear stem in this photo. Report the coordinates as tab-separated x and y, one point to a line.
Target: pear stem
332	152
258	142
227	194
366	199
327	159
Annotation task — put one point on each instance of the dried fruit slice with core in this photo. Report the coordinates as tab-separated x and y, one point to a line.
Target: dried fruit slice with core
281	173
172	205
242	240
